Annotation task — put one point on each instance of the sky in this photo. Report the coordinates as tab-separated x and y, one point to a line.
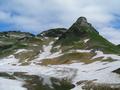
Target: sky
36	16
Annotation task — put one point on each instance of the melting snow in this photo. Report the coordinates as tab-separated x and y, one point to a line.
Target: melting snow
86	40
21	50
9	60
35	45
46	37
81	51
54	55
46	51
99	71
46	54
106	56
8	84
42	71
77	88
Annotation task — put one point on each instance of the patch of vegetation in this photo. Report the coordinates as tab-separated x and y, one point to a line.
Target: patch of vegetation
70	58
62	84
33	82
91	85
99	43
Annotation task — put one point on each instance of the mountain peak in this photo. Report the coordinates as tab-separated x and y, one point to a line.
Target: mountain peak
81	27
82	21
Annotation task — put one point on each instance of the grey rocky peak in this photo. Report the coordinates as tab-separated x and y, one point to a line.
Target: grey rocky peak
82	21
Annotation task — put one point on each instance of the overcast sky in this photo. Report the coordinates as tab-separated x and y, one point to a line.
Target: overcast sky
38	15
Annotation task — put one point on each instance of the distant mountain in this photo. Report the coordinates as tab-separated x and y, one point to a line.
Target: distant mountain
60	59
56	32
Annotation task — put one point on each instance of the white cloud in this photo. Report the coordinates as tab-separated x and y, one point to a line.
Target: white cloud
39	15
4	16
111	34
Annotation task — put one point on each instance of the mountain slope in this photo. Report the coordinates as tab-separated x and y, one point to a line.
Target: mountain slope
82	35
59	59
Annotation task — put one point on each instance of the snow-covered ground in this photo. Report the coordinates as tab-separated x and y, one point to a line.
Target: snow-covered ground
45	72
10	60
8	84
101	72
106	56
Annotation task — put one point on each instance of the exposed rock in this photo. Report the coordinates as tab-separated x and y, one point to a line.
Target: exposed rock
117	71
82	21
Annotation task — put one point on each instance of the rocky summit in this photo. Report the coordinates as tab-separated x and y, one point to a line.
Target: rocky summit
77	58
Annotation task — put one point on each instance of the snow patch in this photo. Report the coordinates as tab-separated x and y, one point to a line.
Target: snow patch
35	45
77	88
46	54
8	84
21	50
99	71
81	51
56	38
46	37
54	55
86	40
106	56
9	60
